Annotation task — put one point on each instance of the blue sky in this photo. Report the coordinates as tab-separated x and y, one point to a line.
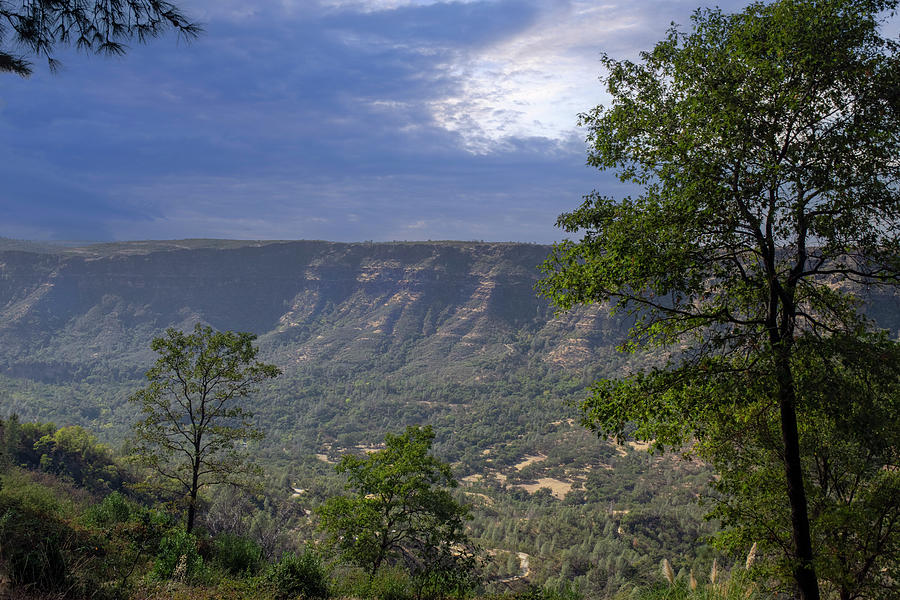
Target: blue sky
343	120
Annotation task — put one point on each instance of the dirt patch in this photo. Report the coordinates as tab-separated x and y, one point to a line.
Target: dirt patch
530	459
558	488
524	568
487	500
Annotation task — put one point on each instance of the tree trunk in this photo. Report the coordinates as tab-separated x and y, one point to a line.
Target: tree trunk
192	501
804	572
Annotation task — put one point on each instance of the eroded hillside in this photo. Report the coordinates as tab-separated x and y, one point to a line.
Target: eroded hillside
366	333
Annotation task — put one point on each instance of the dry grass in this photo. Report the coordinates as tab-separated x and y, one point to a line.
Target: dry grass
558	488
530	459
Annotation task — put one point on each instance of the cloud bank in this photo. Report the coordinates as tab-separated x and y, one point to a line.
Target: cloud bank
336	119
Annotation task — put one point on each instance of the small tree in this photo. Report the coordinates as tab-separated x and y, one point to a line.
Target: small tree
765	144
193	430
100	26
401	512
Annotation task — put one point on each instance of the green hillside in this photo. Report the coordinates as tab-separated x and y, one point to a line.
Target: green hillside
372	338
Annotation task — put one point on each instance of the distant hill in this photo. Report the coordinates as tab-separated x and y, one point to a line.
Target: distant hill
369	335
439	323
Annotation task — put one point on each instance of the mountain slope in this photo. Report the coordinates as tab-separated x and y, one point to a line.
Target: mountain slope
425	322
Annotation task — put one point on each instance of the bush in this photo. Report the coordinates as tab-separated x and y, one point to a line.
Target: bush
40	551
299	576
736	587
32	549
113	509
178	557
391	584
237	555
34	498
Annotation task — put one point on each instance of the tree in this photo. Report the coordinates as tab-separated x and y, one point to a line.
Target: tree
194	432
74	452
850	442
100	26
764	144
401	512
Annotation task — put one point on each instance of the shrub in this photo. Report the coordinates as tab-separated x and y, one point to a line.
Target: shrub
534	592
41	551
31	548
299	576
177	557
391	584
113	509
236	554
34	498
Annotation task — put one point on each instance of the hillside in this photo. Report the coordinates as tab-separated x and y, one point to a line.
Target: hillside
373	337
429	315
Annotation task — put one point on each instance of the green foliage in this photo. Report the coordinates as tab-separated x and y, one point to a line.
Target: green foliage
400	510
178	557
764	144
536	592
93	26
70	452
850	439
193	429
41	547
236	554
133	534
75	453
32	545
299	576
390	584
113	509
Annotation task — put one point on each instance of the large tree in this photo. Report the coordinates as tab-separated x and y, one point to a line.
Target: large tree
37	27
194	429
764	146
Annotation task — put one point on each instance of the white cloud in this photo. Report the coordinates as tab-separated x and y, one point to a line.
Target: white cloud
537	82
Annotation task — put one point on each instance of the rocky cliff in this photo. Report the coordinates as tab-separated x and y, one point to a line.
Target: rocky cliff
422	316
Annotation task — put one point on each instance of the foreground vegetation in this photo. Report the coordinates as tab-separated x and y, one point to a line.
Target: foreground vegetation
73	523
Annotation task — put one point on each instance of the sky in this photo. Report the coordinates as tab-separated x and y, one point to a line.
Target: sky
342	120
